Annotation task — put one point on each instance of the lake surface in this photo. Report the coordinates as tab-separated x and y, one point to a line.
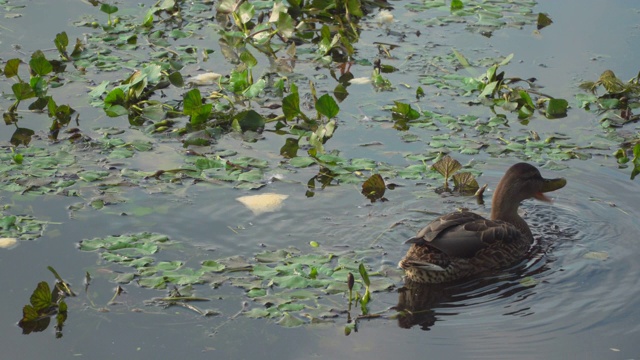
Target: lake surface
577	296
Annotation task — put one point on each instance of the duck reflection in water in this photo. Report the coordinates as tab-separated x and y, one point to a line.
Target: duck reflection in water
424	304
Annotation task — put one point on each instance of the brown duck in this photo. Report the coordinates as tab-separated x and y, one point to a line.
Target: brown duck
461	244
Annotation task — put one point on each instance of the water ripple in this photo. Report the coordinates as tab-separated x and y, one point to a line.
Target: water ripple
581	275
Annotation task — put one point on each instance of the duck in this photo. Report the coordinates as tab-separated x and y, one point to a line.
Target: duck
462	244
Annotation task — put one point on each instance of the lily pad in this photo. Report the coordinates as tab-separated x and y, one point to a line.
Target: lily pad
289	320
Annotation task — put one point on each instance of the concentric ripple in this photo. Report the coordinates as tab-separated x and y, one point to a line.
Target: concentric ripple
581	275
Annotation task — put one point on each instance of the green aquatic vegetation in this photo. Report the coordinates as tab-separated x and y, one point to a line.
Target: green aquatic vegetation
615	107
379	82
543	21
447	166
194	107
374	188
334	170
199	118
45	303
623	159
402	114
108	9
287	285
612	85
59	170
498	91
458	138
21	227
493	88
133	96
184	297
67	170
44	74
483	17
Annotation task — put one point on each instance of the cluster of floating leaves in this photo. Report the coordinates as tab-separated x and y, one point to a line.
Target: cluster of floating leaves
616	108
136	96
19	227
493	136
483	17
291	286
69	170
287	284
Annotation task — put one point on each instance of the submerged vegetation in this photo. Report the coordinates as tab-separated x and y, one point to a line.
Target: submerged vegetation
280	71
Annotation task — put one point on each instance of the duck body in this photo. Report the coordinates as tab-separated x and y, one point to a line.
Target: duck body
463	244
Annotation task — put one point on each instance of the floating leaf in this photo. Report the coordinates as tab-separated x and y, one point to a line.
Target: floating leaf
250	120
374	188
543	21
289	320
22	91
257	313
245	12
557	108
194	107
349	328
302	161
235	263
299	282
124	278
528	281
272	256
211	265
456	5
291	307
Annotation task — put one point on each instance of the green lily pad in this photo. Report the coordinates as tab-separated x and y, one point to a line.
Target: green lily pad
289	320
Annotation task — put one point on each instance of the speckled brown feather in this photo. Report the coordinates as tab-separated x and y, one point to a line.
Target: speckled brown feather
461	244
466	239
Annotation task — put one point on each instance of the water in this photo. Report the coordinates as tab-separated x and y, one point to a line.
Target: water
558	304
575	297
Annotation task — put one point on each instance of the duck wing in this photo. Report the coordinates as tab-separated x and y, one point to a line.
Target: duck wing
463	234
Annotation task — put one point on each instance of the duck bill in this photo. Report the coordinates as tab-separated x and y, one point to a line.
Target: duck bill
550	185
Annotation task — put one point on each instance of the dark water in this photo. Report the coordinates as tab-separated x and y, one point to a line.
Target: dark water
576	297
579	307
